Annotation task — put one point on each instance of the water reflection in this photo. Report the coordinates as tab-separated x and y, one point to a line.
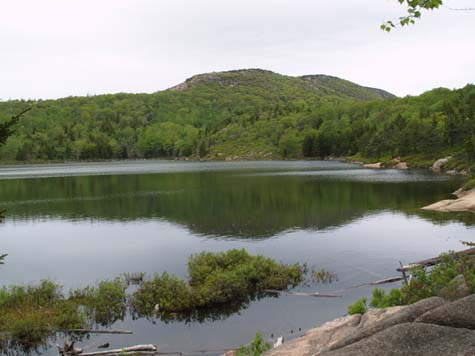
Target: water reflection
228	203
78	229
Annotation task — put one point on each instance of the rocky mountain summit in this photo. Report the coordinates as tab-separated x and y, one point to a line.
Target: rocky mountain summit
318	84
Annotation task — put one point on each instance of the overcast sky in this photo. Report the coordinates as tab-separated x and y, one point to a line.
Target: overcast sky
57	48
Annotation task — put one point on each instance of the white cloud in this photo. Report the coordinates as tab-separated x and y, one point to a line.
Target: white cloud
56	48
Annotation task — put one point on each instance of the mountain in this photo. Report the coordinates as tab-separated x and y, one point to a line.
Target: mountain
252	79
246	114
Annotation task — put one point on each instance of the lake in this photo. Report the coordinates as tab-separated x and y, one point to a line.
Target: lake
78	224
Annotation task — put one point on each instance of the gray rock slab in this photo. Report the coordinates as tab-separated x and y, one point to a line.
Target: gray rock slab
408	314
458	314
413	339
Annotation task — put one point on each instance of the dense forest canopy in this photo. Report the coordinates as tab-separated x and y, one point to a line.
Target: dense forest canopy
245	114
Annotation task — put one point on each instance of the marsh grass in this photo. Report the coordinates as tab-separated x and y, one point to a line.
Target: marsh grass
324	276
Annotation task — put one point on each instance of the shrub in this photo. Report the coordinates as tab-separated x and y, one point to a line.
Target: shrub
382	300
256	348
426	284
42	295
469	184
215	279
171	293
359	307
105	303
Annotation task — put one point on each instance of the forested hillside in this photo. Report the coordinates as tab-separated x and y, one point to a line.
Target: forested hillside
246	114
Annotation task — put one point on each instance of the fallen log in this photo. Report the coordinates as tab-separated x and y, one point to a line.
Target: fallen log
377	283
301	294
132	353
433	261
132	350
89	331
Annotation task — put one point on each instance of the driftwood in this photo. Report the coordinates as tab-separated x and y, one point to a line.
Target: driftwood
69	349
433	261
377	283
132	350
88	331
300	294
131	353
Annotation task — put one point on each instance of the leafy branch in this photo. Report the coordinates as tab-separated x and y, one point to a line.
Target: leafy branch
414	12
6	128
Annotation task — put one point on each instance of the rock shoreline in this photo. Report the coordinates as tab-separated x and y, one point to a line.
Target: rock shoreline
432	326
465	202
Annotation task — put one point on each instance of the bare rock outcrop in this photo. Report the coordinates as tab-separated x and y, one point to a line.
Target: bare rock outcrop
408	314
413	339
429	327
457	314
437	166
465	202
327	334
378	165
401	165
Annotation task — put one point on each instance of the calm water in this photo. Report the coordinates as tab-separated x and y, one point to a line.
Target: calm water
80	223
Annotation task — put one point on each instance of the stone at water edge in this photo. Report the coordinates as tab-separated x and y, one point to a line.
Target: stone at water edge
408	314
401	165
458	314
413	339
437	166
378	165
465	202
314	340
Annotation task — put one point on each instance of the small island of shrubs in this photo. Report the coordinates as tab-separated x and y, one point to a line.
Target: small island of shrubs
231	277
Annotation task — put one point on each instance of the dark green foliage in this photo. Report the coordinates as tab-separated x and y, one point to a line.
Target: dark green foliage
6	127
30	313
359	307
469	184
42	295
206	115
426	284
249	114
105	303
382	300
215	279
256	348
169	292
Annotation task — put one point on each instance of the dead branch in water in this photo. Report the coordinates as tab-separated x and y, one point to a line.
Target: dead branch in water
301	294
377	283
88	331
433	261
132	350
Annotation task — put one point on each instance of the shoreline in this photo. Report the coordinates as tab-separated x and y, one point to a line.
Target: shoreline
465	202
